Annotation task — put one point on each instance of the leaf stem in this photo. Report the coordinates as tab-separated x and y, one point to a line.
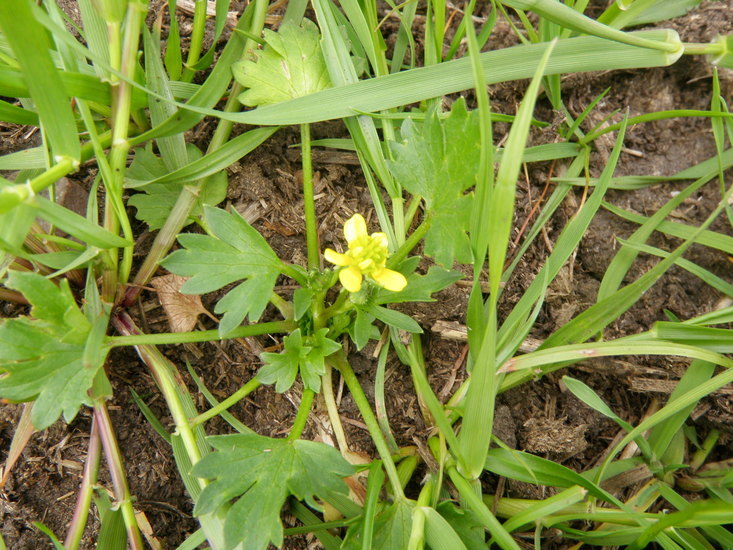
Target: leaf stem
309	204
230	401
200	335
306	401
84	498
341	363
411	242
117	473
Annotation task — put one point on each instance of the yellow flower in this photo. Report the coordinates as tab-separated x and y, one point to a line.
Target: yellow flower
366	256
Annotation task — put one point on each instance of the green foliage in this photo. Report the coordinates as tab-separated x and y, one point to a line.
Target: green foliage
260	473
301	353
156	202
291	65
52	356
438	161
234	251
391	529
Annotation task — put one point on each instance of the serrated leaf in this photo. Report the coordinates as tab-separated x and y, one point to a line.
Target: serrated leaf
291	65
233	252
52	357
155	203
420	288
438	160
260	473
300	354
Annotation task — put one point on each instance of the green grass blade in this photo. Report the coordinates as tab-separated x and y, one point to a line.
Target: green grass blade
567	17
215	161
194	541
554	504
438	532
662	434
680	230
17	115
76	225
478	416
156	424
44	83
378	94
715	339
700	272
568	239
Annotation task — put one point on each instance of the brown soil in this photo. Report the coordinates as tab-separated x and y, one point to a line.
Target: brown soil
540	417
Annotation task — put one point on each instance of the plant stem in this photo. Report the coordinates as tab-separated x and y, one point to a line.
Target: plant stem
121	100
230	401
306	401
309	204
411	242
200	335
84	498
170	384
197	40
117	473
340	362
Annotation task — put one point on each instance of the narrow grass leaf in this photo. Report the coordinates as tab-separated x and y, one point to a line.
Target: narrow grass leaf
95	35
552	505
478	416
679	230
44	83
715	339
718	283
172	148
213	162
76	225
545	358
569	18
149	415
593	400
193	541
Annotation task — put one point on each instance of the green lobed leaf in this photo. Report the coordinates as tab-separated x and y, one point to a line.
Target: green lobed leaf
420	288
438	160
156	202
301	353
291	65
259	473
43	356
234	251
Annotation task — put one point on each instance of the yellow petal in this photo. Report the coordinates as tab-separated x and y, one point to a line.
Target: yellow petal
351	279
336	258
382	237
391	280
354	228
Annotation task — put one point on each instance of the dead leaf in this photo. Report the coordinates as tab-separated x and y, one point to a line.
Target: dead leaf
182	310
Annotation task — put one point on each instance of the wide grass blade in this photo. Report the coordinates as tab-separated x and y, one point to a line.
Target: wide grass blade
40	74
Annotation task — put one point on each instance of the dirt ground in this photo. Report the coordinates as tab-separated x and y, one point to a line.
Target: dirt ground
539	417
